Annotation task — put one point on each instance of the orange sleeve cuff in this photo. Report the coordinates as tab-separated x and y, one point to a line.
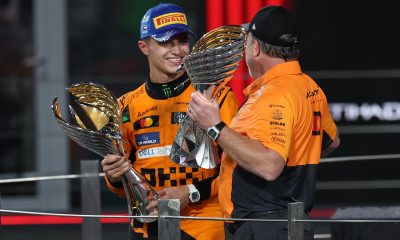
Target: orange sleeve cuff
118	190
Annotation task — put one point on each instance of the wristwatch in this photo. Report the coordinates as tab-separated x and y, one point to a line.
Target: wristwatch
213	132
194	194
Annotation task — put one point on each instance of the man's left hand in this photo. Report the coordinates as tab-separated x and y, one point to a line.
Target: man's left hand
203	112
181	193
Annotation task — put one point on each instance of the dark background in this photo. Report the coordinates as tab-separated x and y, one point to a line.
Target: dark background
351	48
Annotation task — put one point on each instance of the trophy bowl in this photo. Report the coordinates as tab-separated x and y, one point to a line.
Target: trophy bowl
95	125
212	62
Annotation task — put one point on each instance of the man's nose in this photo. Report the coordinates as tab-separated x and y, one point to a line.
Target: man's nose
176	48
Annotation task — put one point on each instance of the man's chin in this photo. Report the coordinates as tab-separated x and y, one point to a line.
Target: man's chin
180	69
176	68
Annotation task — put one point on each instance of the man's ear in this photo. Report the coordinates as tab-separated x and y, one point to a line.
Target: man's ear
256	48
143	47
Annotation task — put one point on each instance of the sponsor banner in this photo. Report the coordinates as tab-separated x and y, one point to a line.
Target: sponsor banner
154	152
363	98
365	112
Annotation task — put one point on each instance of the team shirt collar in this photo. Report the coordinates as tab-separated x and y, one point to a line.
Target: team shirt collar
286	68
167	90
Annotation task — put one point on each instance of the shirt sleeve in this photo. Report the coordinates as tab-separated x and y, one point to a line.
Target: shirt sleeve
273	123
116	188
328	125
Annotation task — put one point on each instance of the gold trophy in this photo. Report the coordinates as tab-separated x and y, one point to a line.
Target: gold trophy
96	126
214	59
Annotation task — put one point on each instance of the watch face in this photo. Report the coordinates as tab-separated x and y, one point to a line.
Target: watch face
212	134
195	196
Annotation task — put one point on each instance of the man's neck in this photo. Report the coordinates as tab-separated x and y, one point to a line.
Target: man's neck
159	77
268	64
167	90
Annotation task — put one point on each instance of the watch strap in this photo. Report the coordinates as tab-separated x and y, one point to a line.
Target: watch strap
220	126
214	131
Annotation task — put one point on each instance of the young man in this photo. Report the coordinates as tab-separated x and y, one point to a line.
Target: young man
150	121
272	148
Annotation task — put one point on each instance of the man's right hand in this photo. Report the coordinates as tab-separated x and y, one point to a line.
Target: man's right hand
114	167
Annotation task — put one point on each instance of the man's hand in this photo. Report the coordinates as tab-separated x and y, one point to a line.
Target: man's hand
204	113
181	193
114	167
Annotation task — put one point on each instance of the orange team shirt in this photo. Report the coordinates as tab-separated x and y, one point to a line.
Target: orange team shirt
149	127
287	112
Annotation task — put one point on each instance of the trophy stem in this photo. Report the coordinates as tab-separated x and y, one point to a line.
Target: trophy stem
138	195
206	154
192	147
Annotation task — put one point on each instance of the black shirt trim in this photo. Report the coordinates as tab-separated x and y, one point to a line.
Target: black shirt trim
167	90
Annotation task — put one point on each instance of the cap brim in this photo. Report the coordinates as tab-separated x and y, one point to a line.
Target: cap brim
245	26
163	37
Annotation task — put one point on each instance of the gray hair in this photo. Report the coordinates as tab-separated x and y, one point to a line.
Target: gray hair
277	51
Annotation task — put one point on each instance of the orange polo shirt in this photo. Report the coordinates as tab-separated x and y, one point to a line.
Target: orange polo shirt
287	112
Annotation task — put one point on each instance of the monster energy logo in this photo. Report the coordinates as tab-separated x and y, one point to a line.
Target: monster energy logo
166	90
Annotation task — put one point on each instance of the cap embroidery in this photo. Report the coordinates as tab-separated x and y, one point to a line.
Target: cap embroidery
145	18
169	19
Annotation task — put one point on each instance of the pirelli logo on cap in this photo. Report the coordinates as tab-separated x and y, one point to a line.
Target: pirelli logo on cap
168	19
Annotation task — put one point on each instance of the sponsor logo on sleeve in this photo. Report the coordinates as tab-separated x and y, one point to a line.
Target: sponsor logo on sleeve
276	105
146	122
279	134
277	123
312	93
138	93
317	124
278	140
277	114
122	100
154	152
147	138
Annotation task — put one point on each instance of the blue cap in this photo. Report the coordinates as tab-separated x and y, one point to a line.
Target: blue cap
164	21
